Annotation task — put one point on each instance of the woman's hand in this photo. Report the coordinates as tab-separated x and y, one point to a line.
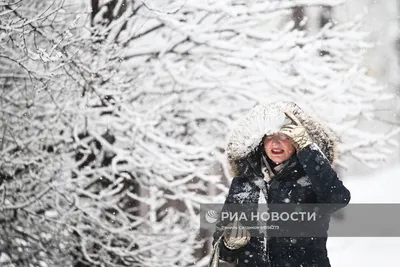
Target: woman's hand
236	236
297	132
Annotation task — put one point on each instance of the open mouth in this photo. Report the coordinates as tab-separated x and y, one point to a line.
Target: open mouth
277	151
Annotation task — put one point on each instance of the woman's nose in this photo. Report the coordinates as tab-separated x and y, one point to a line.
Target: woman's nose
275	140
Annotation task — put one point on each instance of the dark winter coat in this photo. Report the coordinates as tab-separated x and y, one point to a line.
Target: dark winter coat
307	177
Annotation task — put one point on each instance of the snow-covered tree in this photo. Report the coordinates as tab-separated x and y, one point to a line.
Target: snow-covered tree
114	113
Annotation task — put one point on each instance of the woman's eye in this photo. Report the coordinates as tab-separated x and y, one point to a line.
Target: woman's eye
283	137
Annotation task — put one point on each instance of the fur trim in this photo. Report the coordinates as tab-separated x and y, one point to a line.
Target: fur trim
262	120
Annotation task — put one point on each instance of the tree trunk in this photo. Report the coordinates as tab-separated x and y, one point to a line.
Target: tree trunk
114	10
298	17
325	17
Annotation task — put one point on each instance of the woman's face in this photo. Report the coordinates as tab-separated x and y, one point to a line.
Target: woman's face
278	147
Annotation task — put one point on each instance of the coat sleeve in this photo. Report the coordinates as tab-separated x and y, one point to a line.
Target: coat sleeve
325	182
225	253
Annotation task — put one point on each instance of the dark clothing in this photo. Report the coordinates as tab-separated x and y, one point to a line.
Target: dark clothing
306	178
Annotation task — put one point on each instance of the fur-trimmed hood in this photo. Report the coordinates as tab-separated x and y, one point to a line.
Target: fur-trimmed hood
262	120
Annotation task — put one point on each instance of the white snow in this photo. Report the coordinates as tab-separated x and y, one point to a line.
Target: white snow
381	187
304	181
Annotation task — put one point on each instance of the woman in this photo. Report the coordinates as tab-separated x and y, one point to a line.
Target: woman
286	155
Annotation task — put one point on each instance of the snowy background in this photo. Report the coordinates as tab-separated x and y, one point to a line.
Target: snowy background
114	117
379	187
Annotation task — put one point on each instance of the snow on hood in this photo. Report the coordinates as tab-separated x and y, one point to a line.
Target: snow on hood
261	120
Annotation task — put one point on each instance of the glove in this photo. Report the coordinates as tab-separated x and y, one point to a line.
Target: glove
297	132
235	236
